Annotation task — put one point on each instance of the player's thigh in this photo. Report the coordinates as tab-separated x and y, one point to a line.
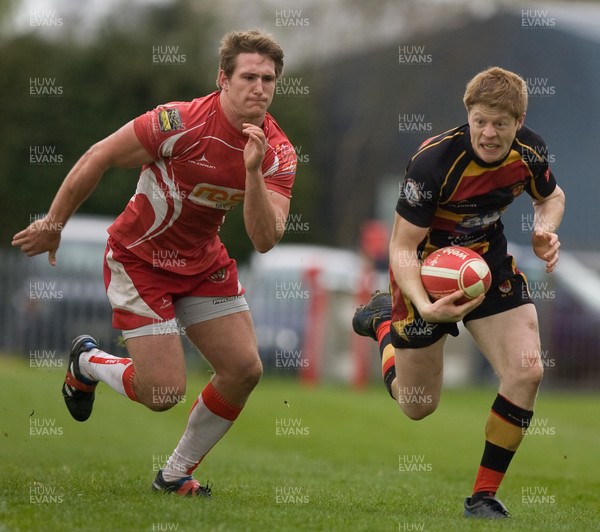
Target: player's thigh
509	338
419	345
229	344
420	373
159	361
510	341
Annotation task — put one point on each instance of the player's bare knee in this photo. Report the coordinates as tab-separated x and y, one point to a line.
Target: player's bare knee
164	401
417	407
528	376
245	374
164	395
534	375
251	373
161	406
417	413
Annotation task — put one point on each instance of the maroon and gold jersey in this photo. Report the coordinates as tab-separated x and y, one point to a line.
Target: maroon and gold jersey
197	176
461	198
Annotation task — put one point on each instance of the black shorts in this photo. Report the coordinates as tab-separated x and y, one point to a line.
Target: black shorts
410	331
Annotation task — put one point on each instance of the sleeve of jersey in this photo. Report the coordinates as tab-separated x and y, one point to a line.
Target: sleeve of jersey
156	127
542	183
280	169
418	199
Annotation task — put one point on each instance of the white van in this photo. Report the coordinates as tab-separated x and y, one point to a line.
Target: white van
304	293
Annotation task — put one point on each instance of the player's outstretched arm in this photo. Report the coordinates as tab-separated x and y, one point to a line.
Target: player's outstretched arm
122	149
406	268
265	211
548	214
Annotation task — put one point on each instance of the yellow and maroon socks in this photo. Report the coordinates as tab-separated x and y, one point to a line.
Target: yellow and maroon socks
386	350
504	431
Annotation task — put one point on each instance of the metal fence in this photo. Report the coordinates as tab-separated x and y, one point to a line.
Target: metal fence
42	309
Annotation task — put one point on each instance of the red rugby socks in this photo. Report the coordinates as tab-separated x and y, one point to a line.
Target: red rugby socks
210	418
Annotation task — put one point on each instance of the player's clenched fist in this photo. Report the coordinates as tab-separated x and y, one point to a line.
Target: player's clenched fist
255	149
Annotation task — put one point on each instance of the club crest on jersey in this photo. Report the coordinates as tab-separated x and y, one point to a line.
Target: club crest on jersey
216	197
518	189
220	276
287	157
413	193
505	286
169	120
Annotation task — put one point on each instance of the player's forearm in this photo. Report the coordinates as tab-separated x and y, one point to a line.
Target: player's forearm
406	268
76	187
548	213
264	223
405	263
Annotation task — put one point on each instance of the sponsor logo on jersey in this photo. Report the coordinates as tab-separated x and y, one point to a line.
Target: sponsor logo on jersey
169	120
216	197
165	303
203	161
480	221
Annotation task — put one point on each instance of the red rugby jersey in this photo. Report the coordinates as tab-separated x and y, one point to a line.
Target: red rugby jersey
197	176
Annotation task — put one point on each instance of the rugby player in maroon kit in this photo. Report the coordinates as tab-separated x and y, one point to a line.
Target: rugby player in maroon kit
457	187
199	159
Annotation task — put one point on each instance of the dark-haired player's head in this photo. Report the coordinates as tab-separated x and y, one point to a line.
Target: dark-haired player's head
253	41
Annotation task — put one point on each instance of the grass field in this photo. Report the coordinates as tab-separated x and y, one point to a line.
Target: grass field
298	458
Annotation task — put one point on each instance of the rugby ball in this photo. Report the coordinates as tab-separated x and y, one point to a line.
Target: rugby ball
453	268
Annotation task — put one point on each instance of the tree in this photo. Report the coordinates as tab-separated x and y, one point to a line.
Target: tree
66	93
